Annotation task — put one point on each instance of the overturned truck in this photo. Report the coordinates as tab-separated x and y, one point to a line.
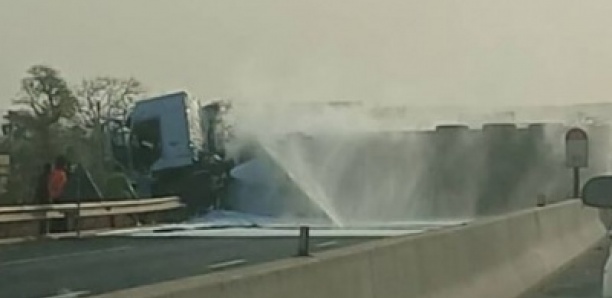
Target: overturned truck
173	145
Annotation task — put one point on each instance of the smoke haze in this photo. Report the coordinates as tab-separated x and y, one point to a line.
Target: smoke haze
472	52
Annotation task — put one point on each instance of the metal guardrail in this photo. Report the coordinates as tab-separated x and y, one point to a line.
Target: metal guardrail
89	209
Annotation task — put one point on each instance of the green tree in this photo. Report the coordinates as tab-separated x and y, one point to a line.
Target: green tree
50	118
34	134
49	100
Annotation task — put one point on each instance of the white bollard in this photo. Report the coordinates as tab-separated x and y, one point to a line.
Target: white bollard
303	244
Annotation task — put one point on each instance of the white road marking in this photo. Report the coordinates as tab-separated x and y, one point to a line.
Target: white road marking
240	227
227	264
70	294
326	244
269	233
56	257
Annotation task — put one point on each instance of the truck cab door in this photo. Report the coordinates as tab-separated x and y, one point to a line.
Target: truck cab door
145	142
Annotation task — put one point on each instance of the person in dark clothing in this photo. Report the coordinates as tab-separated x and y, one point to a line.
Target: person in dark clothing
41	196
119	186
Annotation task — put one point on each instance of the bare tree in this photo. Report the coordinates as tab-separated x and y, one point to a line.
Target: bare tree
101	99
106	97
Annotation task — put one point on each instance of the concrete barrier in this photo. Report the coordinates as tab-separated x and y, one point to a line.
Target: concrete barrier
497	257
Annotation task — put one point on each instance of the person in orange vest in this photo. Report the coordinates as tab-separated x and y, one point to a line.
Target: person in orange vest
58	179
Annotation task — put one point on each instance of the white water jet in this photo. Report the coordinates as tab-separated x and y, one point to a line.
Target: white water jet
296	168
360	170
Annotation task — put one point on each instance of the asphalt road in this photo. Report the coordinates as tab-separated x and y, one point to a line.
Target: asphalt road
99	265
581	279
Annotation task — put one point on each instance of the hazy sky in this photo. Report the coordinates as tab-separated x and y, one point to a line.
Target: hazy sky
422	52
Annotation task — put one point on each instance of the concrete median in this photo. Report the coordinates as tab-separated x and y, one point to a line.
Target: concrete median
496	257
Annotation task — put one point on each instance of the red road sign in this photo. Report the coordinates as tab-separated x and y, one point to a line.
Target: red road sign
576	134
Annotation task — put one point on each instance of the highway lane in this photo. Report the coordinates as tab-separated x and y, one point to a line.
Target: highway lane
580	279
104	264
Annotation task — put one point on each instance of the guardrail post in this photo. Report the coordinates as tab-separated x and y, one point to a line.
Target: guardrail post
77	220
303	244
44	225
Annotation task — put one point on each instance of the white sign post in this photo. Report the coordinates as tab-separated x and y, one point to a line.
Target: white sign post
576	154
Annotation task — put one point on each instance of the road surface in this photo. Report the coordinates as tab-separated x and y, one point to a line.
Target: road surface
104	264
581	279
